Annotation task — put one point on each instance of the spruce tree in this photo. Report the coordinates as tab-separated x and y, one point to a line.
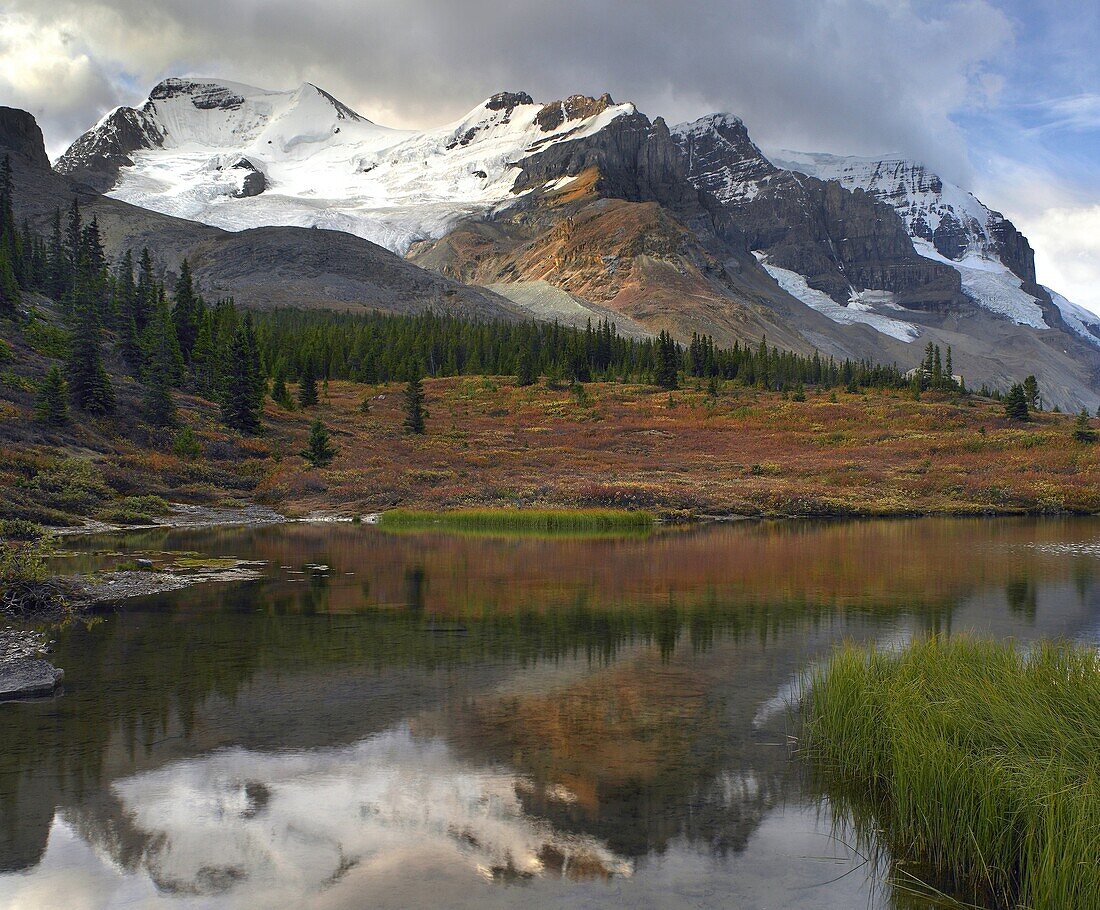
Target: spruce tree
147	291
668	365
240	409
526	370
1082	430
74	234
52	406
10	296
307	385
160	346
89	383
1016	407
280	394
186	311
415	414
318	451
163	367
1031	391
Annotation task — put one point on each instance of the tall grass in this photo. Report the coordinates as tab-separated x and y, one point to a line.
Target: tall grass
973	760
529	521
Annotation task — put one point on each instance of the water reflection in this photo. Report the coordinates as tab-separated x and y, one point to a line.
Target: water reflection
503	722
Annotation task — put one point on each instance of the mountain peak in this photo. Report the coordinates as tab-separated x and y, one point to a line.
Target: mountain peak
505	101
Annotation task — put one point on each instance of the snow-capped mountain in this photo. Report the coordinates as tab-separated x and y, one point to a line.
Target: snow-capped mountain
585	208
955	222
950	225
235	156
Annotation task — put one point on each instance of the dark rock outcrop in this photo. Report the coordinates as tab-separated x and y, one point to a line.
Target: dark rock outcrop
206	96
506	101
20	136
254	181
637	161
1013	248
575	107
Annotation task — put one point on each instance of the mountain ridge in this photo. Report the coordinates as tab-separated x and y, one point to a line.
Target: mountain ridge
746	247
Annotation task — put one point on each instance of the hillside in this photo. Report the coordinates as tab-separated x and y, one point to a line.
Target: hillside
740	451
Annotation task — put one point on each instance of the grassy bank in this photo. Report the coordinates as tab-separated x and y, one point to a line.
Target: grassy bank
520	521
970	760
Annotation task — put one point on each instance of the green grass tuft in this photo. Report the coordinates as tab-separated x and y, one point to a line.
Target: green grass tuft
976	762
520	521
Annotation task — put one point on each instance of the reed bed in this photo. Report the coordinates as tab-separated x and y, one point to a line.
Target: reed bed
970	759
530	521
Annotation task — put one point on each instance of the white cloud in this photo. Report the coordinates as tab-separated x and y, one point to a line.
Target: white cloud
45	70
1067	244
1061	221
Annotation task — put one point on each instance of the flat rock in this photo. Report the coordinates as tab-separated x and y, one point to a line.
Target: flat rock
28	677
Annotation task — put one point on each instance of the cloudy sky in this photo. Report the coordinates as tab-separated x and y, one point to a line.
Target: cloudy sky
1002	96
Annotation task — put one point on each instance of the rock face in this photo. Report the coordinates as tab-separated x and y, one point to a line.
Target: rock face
575	107
28	678
99	154
636	161
843	242
20	135
954	221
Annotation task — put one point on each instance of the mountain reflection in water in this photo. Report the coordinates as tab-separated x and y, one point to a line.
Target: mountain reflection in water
443	721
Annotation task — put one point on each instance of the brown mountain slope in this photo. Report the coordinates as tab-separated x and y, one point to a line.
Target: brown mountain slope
634	258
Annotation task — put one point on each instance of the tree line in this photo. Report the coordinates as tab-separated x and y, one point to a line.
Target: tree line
172	339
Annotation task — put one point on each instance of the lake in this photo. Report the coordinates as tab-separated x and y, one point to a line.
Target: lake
428	720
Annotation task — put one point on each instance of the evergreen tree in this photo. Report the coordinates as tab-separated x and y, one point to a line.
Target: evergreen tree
160	406
74	234
186	313
88	380
415	414
668	366
240	409
280	394
163	367
9	286
58	262
307	385
52	406
1031	391
1016	407
160	346
1082	430
126	296
204	366
526	370
147	291
318	451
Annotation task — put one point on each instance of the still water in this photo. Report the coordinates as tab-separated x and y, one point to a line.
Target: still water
430	720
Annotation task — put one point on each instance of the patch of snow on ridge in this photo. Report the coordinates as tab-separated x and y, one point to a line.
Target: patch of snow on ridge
858	312
325	166
1084	322
991	285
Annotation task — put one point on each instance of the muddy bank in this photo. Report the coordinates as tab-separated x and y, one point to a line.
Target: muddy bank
187	516
90	590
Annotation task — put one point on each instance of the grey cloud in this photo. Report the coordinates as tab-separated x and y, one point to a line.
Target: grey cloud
857	76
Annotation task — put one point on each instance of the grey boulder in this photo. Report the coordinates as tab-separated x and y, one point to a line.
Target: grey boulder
28	677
